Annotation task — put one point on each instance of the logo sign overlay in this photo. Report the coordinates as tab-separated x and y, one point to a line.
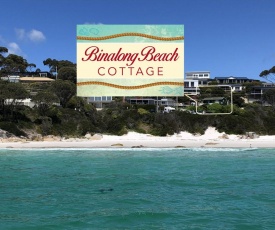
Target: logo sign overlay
130	60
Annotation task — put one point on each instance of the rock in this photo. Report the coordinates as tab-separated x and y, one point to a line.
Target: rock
117	145
57	138
138	146
51	138
5	134
14	139
37	137
224	136
96	137
88	136
48	138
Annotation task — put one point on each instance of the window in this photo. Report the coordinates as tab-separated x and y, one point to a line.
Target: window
97	98
43	74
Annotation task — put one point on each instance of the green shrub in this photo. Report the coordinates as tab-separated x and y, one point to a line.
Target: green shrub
12	128
142	111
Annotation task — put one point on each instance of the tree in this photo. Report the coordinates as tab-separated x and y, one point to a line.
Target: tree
11	95
249	85
215	108
269	97
212	92
14	63
268	74
44	100
238	100
3	95
52	63
2	58
64	90
213	83
30	66
67	73
55	64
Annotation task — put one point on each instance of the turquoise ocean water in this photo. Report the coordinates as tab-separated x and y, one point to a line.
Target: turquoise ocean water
137	189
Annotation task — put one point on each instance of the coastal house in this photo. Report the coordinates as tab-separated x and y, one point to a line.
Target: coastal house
151	101
26	102
232	80
35	79
140	101
11	78
100	102
212	100
202	77
236	83
257	92
34	84
191	87
166	102
14	76
30	80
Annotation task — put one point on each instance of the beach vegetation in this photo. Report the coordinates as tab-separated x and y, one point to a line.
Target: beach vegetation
63	69
44	100
142	111
269	97
12	128
211	92
67	73
79	118
64	90
238	99
11	95
13	63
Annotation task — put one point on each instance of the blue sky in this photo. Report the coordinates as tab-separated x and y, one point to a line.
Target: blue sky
225	37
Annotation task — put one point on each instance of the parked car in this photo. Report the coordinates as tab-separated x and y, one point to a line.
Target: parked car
168	109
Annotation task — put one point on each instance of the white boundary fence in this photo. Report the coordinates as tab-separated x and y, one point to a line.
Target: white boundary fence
196	101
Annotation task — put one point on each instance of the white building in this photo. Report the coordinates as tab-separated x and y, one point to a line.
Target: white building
11	78
201	76
100	101
191	87
27	102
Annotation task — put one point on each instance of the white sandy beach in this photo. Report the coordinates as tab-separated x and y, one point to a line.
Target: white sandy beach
211	139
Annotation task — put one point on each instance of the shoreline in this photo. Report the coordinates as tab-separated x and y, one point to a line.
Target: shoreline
211	139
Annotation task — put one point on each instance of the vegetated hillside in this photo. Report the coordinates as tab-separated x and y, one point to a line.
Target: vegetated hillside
121	118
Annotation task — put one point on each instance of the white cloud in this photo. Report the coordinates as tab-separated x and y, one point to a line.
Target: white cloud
14	48
20	33
36	36
33	35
